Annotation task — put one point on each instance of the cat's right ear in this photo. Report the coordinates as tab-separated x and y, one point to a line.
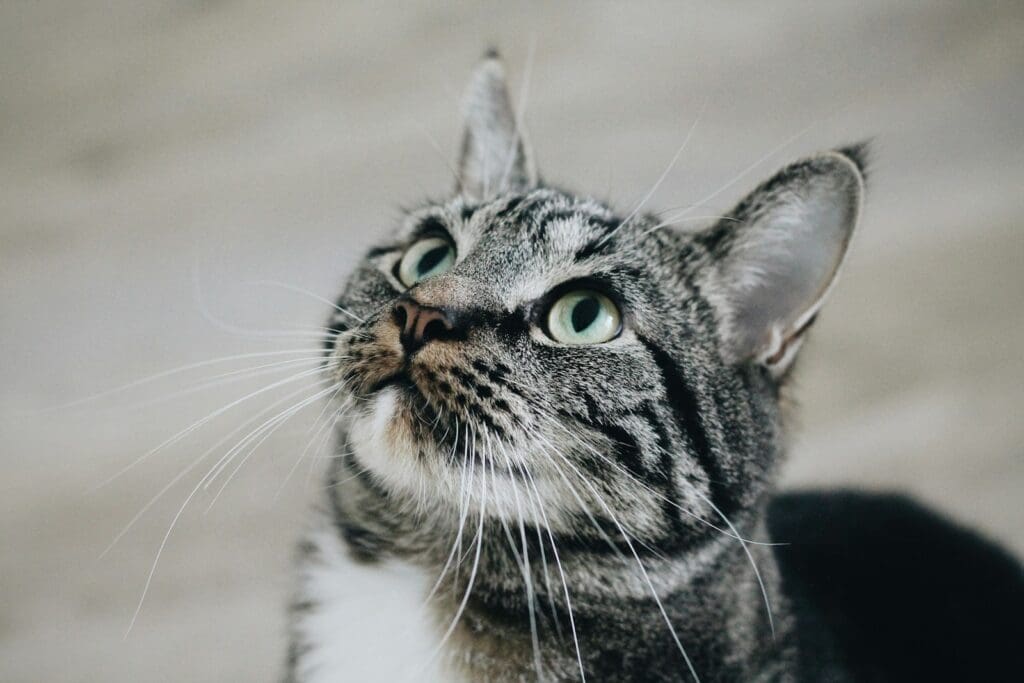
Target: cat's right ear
495	157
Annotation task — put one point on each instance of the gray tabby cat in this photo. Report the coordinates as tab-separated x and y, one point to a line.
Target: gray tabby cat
561	426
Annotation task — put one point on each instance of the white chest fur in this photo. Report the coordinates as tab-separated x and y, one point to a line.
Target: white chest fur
366	622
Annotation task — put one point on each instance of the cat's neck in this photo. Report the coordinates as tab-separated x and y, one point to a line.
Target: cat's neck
506	592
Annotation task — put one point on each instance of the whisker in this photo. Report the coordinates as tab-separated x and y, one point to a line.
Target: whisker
300	290
163	543
535	505
636	556
681	218
223	379
156	560
291	413
321	434
440	152
552	420
520	112
463	514
209	316
473	571
561	572
466	457
661	178
195	463
159	553
548	448
251	435
199	423
527	570
173	371
358	471
750	557
742	174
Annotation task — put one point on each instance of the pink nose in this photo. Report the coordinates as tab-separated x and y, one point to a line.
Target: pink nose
421	324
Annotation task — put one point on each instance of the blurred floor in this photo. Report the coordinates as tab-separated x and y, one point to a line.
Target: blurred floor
156	159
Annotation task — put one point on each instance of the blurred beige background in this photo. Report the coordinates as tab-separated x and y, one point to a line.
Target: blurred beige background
158	158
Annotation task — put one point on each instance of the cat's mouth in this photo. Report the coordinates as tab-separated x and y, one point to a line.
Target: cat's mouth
401	379
438	394
421	394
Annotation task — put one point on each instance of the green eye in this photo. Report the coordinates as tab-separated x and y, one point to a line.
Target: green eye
426	258
584	316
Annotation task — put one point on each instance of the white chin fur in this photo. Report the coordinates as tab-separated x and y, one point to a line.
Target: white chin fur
380	444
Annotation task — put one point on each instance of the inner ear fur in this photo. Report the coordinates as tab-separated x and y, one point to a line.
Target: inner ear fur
779	253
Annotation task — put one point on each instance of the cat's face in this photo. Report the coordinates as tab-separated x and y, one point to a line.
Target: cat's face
536	356
531	354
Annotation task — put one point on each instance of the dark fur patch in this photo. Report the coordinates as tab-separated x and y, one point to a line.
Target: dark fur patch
688	418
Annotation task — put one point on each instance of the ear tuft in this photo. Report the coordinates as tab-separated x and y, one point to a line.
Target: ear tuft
860	154
495	157
774	264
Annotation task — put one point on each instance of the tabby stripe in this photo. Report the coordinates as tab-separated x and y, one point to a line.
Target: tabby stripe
510	207
381	251
670	505
527	209
665	470
625	447
601	245
551	215
688	417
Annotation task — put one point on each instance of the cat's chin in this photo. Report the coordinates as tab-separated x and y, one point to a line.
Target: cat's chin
383	437
382	440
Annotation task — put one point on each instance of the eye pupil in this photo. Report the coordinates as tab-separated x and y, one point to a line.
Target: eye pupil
430	260
584	313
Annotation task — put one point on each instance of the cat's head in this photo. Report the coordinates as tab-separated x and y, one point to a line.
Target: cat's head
539	355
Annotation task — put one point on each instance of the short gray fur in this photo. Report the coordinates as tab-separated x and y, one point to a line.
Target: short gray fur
658	449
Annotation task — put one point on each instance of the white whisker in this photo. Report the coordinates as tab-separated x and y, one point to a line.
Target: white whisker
195	463
199	423
268	429
527	569
173	371
321	434
473	570
750	558
464	490
561	573
520	112
636	556
742	174
317	297
668	169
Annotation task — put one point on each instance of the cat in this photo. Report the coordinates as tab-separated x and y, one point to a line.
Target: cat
559	431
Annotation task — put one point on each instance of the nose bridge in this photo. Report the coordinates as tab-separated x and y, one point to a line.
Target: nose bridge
440	309
454	292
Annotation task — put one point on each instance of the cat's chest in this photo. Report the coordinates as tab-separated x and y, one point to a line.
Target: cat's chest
364	622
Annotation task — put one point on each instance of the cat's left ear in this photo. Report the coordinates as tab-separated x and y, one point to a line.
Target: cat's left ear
777	256
495	157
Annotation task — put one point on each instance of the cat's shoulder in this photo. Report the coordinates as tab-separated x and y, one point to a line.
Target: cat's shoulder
903	593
